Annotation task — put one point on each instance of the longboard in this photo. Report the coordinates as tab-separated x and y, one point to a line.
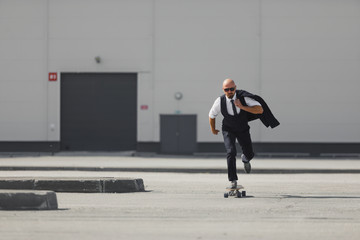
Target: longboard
235	192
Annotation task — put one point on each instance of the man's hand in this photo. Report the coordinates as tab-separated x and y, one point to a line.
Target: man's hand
215	131
253	109
212	126
238	104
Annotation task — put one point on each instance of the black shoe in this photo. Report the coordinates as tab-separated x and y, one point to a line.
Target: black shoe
247	165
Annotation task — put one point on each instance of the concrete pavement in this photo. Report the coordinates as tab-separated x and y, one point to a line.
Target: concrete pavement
186	164
41	170
183	204
192	206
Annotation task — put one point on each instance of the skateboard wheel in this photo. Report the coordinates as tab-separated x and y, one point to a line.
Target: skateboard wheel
238	194
226	195
243	193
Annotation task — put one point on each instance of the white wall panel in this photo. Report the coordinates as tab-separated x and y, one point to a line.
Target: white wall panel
21	9
100	8
23	95
311	8
310	69
146	131
302	56
120	32
115	54
197	45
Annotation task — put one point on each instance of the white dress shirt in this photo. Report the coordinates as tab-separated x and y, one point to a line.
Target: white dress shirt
216	108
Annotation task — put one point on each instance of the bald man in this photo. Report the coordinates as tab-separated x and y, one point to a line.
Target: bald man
235	125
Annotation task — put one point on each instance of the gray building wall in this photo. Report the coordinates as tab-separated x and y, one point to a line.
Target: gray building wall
303	57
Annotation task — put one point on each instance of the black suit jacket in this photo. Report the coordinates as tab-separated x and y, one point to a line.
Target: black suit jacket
267	118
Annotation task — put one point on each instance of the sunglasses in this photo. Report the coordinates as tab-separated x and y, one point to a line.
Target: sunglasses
227	89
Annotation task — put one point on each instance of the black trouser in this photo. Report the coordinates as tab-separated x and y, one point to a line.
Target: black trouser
244	140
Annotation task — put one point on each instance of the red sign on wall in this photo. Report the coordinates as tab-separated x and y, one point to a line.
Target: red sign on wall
144	107
52	76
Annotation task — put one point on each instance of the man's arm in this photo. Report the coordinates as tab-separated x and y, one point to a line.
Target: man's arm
212	126
254	109
214	111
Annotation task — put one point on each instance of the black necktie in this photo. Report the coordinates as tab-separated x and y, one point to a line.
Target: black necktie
233	107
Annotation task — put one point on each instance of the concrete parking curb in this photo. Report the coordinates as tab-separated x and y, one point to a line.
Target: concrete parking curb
84	185
186	170
27	200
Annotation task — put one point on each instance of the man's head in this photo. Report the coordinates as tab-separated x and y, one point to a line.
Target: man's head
229	87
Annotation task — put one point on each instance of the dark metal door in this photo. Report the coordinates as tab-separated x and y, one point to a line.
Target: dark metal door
178	134
169	133
98	111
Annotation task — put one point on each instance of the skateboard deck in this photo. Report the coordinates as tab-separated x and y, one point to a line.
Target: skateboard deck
235	192
237	188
